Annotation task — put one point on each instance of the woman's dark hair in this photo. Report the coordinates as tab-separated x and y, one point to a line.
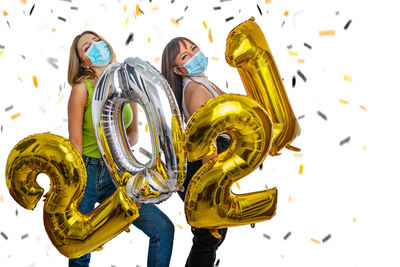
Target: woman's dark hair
170	52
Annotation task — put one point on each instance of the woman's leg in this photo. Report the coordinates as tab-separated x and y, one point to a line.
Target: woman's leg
159	228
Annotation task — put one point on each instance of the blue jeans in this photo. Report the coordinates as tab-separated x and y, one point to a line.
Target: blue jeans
152	221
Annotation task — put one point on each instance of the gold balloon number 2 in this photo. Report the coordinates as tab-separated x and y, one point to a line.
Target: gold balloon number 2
209	202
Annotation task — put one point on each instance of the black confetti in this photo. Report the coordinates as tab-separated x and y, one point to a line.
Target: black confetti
2	47
259	9
293	81
344	141
1	128
9	108
172	1
283	23
289	47
322	115
228	19
63	19
141	11
266	186
224	1
67	0
130	39
60	88
74	7
326	238
33	7
53	62
307	45
23	56
287	235
261	166
8	23
179	19
186	8
4	235
266	236
226	84
217	8
16	212
347	25
24	236
217	263
301	75
145	152
300	117
337	13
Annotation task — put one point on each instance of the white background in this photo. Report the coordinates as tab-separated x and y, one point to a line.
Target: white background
348	191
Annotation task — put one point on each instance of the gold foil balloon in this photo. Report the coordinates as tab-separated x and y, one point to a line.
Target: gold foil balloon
209	201
248	51
71	232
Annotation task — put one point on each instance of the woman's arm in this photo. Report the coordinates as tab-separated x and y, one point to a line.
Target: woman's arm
76	109
132	131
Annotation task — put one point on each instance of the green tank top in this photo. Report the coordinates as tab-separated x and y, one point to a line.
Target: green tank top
89	144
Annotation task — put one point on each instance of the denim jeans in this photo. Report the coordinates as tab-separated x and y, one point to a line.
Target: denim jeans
152	221
205	245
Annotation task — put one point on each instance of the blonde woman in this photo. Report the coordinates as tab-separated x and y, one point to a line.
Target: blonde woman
90	55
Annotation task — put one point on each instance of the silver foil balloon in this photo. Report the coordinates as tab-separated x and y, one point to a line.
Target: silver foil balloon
138	81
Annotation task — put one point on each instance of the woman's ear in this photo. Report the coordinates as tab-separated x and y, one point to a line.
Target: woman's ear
177	71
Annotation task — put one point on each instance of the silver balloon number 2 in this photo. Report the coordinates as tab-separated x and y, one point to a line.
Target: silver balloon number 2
138	81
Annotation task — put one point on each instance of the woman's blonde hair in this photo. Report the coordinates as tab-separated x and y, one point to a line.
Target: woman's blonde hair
76	72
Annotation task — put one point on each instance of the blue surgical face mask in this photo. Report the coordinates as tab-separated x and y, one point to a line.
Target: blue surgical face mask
197	64
99	53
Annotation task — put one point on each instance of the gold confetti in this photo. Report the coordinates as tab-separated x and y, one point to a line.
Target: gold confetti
19	78
365	147
267	1
180	213
290	198
209	35
174	21
180	226
138	11
53	30
363	108
126	21
155	8
35	82
148	40
316	241
124	8
292	53
146	128
300	61
237	184
23	1
16	115
157	59
205	25
5	14
354	219
214	58
61	98
286	13
1	199
348	78
298	155
327	33
344	101
301	169
1	52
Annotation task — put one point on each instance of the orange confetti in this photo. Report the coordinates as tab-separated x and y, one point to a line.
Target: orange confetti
124	8
174	21
126	21
16	115
290	198
300	61
35	82
23	1
267	1
363	108
205	24
344	101
316	241
286	13
1	199
53	30
327	33
146	128
292	53
298	155
348	78
180	226
214	58
157	59
5	13
138	11
209	35
155	8
19	78
237	184
301	169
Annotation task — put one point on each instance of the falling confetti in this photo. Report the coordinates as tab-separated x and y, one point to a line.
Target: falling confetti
33	7
23	1
148	40
327	33
35	82
326	238
5	14
267	1
287	235
125	8
16	212
259	9
186	8
298	155
266	236
155	8
60	99
9	108
302	76
322	115
2	46
217	263
289	47
126	21
179	19
316	241
24	236
205	24
228	19
290	199
348	78
301	169
261	167
214	58
300	60
283	23
292	53
365	147
344	101
174	22
217	8
63	19
286	13
157	59
74	7
344	141
1	197
354	219
307	45
16	115
363	108
53	62
347	25
300	117
4	235
180	226
209	35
